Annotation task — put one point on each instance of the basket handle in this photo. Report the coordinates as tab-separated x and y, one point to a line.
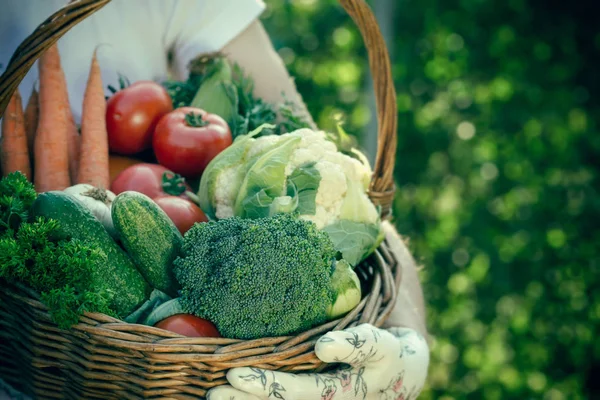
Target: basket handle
382	187
43	37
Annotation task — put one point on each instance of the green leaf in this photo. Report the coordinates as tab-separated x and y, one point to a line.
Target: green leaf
306	180
229	160
163	311
217	94
231	157
346	289
265	172
356	205
257	204
157	298
355	240
285	204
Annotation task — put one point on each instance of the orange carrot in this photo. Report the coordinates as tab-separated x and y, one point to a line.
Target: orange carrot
31	119
15	156
51	148
93	155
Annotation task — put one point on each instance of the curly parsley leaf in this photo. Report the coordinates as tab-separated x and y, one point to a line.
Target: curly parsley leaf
62	270
17	195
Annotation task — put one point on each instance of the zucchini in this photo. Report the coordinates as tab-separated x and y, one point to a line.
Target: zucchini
149	236
76	221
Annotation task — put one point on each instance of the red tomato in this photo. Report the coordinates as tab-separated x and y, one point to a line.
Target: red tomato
132	114
182	212
148	179
187	139
189	325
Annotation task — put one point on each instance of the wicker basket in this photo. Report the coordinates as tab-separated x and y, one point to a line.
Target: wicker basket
105	358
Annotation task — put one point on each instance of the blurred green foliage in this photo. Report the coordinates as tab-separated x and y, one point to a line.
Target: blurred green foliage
497	170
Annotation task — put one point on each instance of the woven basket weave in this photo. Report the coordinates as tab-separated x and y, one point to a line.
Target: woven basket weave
105	358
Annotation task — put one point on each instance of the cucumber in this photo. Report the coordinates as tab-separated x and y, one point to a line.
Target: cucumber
76	221
149	236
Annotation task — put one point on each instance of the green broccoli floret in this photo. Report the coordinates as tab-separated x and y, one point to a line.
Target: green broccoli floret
257	278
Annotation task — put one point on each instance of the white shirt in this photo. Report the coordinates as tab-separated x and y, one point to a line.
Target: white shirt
133	37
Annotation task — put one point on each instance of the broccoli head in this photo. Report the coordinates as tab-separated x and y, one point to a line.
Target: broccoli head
257	278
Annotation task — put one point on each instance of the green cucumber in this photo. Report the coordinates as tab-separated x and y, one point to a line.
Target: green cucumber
76	221
149	236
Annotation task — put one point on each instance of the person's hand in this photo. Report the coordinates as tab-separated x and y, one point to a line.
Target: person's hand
380	364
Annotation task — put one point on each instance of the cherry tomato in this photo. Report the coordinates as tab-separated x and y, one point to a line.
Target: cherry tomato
132	114
182	212
187	139
189	325
150	180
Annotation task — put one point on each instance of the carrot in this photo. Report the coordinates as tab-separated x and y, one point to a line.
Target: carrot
31	119
93	156
15	155
51	139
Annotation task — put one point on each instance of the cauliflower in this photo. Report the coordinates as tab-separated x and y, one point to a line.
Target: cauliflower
299	172
224	194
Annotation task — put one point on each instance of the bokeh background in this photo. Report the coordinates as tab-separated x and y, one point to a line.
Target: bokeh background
497	172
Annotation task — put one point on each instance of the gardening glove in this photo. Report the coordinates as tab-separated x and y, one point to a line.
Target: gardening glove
380	365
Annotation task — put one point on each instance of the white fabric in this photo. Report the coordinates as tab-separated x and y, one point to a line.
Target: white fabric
383	365
135	37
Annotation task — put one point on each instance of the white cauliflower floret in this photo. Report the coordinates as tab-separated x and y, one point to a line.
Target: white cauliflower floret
332	188
302	156
355	170
258	145
309	136
318	143
330	194
312	148
322	217
224	194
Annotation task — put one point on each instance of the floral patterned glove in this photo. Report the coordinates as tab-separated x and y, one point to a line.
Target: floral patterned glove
381	365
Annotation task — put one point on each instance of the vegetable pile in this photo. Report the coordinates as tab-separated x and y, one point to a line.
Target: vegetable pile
190	206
